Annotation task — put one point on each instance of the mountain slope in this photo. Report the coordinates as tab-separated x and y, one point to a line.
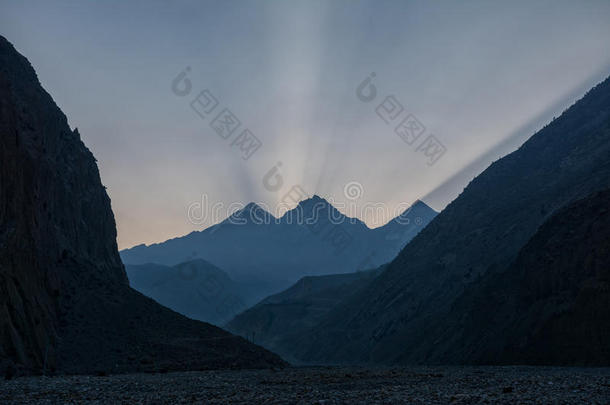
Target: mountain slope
312	239
481	231
276	320
65	303
196	289
551	306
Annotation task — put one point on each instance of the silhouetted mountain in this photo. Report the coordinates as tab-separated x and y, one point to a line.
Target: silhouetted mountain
65	303
551	306
196	289
251	214
275	321
272	253
399	316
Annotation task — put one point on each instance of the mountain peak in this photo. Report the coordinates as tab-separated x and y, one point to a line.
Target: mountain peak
315	199
419	204
317	204
251	206
251	213
418	213
317	209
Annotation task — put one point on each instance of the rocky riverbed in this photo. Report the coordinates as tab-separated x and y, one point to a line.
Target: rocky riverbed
413	385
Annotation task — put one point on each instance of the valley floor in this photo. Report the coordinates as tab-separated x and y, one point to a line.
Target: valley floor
412	385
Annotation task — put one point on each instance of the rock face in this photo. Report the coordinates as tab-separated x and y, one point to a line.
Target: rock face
65	303
395	319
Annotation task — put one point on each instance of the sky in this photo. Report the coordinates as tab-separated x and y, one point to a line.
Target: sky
477	77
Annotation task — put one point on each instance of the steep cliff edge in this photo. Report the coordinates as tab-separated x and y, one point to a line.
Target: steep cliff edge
65	303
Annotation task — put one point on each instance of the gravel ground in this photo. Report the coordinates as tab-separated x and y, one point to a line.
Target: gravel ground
412	385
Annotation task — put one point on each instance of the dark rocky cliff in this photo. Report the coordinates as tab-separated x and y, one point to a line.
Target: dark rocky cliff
65	303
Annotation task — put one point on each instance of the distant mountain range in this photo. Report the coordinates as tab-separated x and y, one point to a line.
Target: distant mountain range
269	254
499	276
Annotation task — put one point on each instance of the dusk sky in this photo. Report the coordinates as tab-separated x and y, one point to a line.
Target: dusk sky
480	76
